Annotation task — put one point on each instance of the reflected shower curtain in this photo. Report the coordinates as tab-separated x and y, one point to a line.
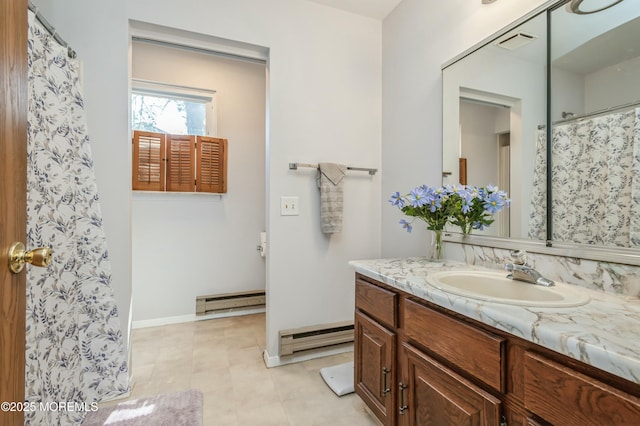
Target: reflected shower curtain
74	348
538	216
595	195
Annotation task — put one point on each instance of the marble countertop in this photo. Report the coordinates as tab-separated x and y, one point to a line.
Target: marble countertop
604	333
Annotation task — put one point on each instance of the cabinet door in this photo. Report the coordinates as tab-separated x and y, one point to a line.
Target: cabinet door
375	350
431	394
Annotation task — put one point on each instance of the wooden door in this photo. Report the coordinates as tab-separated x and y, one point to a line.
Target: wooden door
435	396
13	192
374	357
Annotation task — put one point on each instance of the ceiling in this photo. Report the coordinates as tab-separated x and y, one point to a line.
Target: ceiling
613	47
377	9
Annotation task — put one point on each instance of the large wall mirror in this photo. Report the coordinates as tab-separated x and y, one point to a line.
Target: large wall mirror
494	99
571	68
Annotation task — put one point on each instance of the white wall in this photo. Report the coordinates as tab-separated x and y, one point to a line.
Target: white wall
324	105
612	86
568	93
190	245
418	37
601	89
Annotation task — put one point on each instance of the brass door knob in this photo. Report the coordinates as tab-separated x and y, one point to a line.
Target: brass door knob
18	256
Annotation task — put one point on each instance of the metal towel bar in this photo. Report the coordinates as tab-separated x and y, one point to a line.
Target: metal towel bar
294	166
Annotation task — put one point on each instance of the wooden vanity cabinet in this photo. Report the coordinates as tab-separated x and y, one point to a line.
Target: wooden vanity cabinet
406	386
419	364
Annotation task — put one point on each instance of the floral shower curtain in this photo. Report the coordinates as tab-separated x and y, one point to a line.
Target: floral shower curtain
74	349
538	216
595	194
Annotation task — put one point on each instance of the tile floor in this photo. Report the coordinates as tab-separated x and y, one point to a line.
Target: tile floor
223	358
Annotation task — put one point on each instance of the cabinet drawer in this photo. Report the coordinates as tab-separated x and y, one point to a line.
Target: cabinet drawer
379	303
475	351
562	395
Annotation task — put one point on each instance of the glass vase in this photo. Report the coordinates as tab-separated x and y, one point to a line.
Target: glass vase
435	246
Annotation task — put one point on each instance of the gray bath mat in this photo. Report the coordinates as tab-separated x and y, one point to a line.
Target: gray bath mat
172	409
339	378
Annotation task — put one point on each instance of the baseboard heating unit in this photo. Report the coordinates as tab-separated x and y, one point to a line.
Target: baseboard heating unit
221	302
315	337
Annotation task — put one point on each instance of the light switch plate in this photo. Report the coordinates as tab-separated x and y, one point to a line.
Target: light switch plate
289	206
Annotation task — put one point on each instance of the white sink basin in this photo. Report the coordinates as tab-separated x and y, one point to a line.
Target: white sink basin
496	287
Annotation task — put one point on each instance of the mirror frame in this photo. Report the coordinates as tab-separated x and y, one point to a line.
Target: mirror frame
621	255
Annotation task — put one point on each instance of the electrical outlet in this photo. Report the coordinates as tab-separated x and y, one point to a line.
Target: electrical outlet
289	206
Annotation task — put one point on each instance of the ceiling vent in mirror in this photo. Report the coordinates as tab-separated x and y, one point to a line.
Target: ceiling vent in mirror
515	41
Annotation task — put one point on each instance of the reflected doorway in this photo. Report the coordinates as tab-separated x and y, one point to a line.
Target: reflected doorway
485	144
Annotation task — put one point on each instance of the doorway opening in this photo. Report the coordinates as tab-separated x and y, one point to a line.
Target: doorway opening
187	245
485	145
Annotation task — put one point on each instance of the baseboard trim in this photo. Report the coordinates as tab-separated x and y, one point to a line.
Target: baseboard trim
156	322
277	361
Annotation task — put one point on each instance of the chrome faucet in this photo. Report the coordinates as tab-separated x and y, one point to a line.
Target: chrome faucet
522	271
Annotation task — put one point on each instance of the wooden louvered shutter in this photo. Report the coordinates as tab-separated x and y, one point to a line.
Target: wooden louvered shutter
148	161
211	154
180	163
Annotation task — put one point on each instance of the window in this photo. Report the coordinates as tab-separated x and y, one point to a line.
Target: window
172	109
179	163
172	146
157	113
